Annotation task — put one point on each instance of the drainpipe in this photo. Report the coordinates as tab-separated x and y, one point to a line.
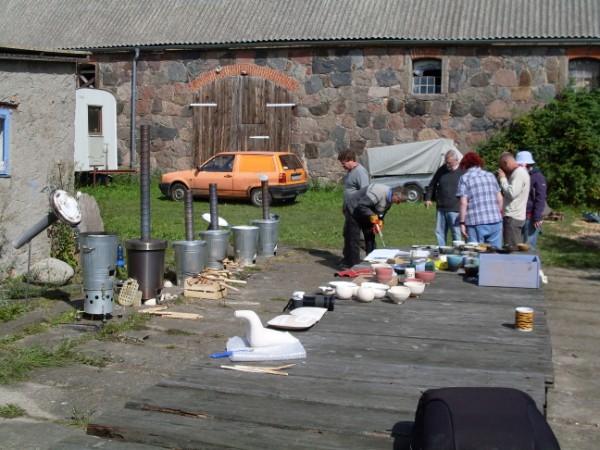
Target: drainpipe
133	100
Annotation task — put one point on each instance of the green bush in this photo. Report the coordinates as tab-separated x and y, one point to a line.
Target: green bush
564	138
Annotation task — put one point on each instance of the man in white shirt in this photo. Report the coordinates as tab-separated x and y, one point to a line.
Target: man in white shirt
514	182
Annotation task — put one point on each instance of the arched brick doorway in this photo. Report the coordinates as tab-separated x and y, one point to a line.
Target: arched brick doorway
239	113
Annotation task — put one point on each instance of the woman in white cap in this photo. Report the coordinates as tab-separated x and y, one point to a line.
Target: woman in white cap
536	203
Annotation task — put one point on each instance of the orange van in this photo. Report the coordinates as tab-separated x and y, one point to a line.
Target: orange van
238	175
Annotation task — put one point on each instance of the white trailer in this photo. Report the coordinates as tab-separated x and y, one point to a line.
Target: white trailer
95	130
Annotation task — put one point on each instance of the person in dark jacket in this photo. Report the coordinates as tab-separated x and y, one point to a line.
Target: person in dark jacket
367	207
536	202
443	188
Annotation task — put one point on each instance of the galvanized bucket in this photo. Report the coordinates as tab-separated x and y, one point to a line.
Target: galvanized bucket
245	242
98	257
268	236
190	259
217	247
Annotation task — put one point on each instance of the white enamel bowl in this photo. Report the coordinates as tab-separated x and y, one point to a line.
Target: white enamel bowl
344	291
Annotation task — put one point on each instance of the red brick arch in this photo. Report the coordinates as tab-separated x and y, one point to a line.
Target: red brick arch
251	70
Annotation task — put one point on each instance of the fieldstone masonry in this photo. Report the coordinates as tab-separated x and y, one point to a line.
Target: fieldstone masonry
345	98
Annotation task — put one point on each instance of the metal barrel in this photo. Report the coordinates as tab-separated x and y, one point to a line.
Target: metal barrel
98	256
146	264
217	247
245	243
268	236
190	259
99	301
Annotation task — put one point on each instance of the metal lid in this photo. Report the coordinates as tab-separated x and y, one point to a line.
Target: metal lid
65	207
139	244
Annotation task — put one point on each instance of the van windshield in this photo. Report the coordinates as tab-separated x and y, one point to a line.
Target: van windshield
290	162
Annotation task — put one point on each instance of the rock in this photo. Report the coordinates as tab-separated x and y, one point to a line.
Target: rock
51	271
91	219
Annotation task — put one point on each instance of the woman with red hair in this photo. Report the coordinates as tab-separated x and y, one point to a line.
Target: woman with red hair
480	213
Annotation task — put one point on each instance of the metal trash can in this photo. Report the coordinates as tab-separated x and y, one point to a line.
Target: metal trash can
146	264
245	242
217	247
98	257
268	236
190	259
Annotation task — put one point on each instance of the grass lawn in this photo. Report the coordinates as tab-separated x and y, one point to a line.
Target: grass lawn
315	221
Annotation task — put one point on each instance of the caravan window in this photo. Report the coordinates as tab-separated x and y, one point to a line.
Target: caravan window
95	120
4	142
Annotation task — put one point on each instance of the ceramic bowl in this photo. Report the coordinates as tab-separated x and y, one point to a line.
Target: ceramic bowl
425	275
398	294
365	294
344	292
472	270
327	290
446	250
416	287
384	273
378	288
454	262
399	268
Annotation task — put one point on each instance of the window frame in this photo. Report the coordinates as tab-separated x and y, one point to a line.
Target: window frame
98	109
440	85
5	130
579	82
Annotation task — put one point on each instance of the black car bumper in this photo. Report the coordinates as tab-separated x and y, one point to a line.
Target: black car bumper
164	188
283	192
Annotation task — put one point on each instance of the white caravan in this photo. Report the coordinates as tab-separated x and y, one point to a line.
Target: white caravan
95	130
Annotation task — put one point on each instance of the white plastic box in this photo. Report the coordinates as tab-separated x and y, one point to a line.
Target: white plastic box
520	271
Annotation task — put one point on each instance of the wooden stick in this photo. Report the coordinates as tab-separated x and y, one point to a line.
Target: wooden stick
229	287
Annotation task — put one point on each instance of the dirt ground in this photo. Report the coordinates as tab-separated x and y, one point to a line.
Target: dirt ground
56	398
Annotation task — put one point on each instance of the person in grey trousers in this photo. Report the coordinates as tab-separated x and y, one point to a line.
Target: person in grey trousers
357	178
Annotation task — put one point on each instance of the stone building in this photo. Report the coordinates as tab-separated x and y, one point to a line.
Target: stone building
37	114
319	76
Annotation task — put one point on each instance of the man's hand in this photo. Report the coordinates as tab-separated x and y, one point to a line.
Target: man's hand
501	173
378	226
427	204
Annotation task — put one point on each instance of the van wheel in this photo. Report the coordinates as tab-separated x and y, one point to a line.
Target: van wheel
256	197
178	191
415	194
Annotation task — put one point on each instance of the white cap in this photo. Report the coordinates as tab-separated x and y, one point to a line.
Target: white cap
524	157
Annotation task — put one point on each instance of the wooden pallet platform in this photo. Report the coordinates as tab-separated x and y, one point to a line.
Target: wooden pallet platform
366	366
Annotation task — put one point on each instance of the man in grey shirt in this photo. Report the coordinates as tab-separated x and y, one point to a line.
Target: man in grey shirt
356	178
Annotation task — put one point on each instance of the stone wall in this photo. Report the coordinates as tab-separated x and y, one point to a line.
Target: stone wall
41	145
345	97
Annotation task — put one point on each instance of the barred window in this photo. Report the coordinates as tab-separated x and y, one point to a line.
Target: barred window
584	73
427	76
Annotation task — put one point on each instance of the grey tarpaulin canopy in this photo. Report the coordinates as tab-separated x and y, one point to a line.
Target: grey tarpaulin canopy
403	159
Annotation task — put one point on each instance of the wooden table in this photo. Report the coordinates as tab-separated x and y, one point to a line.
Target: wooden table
366	366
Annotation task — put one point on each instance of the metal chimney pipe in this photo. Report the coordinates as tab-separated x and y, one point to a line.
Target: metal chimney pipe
189	215
133	101
36	229
145	182
214	206
264	183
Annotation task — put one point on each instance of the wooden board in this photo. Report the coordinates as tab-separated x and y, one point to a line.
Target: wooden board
367	365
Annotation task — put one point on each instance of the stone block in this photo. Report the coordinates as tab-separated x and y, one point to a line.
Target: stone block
51	271
340	79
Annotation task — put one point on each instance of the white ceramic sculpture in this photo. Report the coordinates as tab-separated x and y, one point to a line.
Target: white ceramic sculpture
258	336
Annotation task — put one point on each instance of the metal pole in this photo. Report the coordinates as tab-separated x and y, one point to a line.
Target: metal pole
133	101
189	215
214	206
145	182
36	229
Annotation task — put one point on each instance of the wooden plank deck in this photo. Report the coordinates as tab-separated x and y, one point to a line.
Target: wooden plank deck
366	366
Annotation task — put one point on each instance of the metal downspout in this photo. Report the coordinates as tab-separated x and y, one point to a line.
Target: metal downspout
133	100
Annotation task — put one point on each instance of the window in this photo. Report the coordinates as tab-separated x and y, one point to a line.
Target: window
95	120
584	73
223	163
86	75
4	142
427	76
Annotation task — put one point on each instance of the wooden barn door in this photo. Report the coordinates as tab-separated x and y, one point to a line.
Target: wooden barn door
241	113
